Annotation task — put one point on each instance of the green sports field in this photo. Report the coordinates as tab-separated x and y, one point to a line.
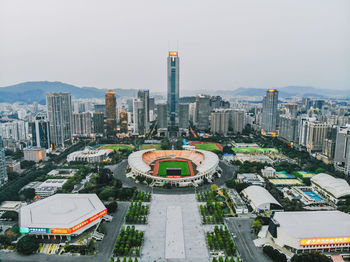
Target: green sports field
150	146
208	147
117	147
255	150
173	164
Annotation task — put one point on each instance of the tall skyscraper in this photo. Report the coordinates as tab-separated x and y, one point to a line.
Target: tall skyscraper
139	117
173	93
40	130
236	121
184	115
100	109
3	171
162	119
202	112
269	116
98	122
111	113
59	112
143	95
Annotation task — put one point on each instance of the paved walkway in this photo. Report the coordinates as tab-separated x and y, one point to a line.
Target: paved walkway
160	226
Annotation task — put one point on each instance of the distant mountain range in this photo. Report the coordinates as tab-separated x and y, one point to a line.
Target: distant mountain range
29	92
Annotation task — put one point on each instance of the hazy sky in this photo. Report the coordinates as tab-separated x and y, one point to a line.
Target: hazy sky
222	44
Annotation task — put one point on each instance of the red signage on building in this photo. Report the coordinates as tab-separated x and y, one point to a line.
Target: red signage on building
173	176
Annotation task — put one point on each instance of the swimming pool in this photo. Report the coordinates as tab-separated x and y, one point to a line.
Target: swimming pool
313	195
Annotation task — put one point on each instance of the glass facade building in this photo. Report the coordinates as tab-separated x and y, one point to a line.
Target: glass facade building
173	92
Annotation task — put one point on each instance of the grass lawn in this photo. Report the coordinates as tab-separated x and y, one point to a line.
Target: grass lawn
150	146
255	150
117	147
207	146
173	164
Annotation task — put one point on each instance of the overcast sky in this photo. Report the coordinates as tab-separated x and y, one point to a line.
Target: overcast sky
222	44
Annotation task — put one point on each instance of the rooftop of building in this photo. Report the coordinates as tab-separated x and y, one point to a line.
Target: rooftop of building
336	186
314	224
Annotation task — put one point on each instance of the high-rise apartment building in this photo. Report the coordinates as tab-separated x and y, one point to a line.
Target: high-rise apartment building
236	120
202	112
98	122
342	144
184	116
3	170
173	93
269	116
220	122
100	109
82	124
59	112
316	135
111	113
40	130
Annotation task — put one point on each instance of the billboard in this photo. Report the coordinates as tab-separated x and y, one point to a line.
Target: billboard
324	241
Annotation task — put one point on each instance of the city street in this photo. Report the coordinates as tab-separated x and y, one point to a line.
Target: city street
241	228
104	247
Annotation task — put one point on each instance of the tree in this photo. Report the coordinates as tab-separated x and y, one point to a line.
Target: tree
257	226
315	256
27	164
28	193
214	187
112	207
107	192
27	245
10	215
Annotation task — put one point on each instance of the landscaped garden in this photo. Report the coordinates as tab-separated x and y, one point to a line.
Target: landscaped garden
137	213
128	242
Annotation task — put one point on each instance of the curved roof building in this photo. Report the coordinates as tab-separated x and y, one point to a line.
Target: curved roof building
332	187
261	199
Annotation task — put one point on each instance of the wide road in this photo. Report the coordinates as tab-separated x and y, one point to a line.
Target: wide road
104	247
119	171
241	227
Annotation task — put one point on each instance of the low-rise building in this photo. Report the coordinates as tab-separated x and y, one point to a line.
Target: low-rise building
304	232
89	156
63	172
35	154
260	199
268	172
10	206
251	178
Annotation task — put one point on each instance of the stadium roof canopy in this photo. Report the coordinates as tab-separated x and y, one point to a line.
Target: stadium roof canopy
335	186
210	160
135	159
60	211
314	224
259	196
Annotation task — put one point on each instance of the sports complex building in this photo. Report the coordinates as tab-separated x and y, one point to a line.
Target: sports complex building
175	167
61	215
307	231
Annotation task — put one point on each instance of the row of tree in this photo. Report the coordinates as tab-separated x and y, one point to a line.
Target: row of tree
128	242
212	213
220	240
137	213
274	254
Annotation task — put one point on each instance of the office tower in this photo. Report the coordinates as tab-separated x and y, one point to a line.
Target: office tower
289	128
269	116
35	107
130	103
98	122
139	117
143	95
184	115
217	102
100	109
316	136
151	109
236	121
318	104
40	130
123	122
202	112
82	124
173	92
3	170
193	112
59	112
111	113
162	116
219	122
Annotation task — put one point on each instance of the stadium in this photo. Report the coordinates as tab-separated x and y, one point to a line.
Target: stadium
176	167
